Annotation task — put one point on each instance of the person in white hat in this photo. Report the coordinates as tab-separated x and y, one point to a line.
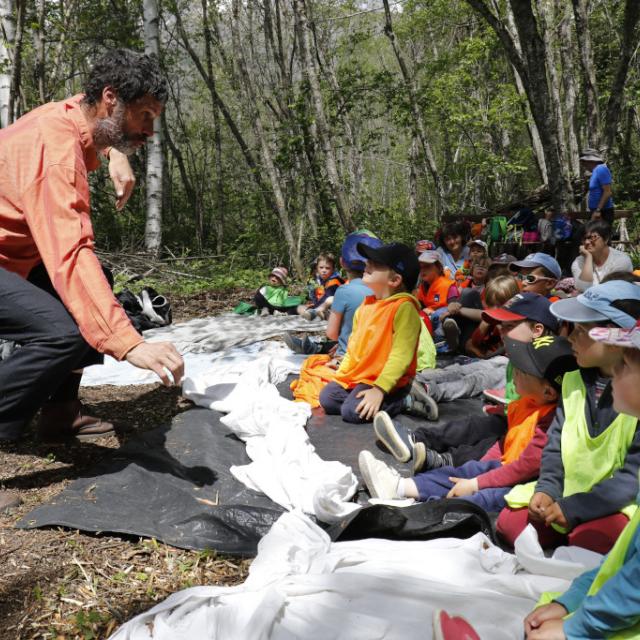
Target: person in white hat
600	201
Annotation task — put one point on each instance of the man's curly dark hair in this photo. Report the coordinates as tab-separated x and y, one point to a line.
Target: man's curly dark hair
130	74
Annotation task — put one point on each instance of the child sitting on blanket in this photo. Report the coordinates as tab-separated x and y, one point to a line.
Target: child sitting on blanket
381	356
603	602
273	296
589	472
324	282
524	318
463	326
538	370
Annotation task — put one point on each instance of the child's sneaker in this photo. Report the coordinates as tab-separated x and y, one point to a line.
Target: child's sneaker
420	403
293	342
493	410
380	479
310	314
495	395
446	627
397	438
433	460
451	332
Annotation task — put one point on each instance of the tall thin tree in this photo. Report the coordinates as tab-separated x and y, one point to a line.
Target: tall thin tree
153	227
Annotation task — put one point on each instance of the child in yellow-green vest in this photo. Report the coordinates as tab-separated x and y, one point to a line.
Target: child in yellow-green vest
603	602
380	363
589	472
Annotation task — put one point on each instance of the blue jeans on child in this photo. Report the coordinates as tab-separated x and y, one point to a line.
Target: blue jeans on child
435	484
337	400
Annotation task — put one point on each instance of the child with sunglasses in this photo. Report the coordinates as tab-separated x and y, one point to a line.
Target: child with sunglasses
537	273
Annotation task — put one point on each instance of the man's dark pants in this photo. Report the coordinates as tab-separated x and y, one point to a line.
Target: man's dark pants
51	347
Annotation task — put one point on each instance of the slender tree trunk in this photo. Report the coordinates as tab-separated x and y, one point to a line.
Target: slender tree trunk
563	11
532	127
616	95
413	179
7	37
420	129
322	128
38	38
261	137
583	36
532	67
153	227
16	74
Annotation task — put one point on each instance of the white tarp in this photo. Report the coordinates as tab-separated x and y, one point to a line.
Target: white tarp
200	341
302	586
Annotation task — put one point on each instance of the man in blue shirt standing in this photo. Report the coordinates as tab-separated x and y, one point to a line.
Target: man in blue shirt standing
600	200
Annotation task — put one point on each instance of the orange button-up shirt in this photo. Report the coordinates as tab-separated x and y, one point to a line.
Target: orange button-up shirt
45	217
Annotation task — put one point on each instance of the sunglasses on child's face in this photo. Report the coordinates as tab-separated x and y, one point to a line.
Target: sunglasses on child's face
531	279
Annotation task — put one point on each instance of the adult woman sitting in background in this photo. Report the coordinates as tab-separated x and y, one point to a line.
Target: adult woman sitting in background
597	259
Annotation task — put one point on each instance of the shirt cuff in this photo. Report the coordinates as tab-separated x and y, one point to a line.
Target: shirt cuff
118	345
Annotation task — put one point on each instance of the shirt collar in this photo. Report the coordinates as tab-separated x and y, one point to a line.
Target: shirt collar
73	109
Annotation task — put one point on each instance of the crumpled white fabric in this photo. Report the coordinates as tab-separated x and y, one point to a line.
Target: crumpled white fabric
284	465
303	586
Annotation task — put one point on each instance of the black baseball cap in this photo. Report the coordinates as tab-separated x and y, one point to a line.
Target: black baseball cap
523	306
547	357
397	256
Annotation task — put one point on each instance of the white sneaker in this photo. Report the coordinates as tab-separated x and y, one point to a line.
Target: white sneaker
381	480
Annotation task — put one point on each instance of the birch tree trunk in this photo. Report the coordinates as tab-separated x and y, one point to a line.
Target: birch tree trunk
583	36
568	81
7	36
322	128
153	227
16	71
263	142
418	120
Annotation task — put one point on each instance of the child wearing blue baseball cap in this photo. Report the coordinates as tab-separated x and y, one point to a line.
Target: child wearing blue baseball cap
589	473
537	273
603	602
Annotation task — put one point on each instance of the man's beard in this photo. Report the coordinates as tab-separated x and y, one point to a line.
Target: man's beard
111	132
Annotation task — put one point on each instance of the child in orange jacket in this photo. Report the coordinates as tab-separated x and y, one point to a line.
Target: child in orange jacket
380	363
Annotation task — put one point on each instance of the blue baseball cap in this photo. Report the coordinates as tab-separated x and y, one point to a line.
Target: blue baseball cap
352	259
523	306
598	304
538	259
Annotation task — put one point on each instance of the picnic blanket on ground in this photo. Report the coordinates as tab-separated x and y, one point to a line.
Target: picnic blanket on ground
196	340
303	586
196	365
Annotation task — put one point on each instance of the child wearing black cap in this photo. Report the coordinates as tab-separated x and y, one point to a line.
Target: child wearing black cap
380	362
539	367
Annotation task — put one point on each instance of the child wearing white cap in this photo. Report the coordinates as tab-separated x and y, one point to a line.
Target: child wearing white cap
603	602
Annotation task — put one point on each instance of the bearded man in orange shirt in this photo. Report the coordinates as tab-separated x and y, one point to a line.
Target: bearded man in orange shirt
55	301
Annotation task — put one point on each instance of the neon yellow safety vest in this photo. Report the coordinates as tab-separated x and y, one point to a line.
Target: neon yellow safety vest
587	461
608	569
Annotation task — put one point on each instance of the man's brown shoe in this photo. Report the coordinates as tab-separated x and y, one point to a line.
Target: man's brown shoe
66	420
9	500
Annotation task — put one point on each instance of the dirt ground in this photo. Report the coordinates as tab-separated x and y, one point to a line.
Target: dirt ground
62	584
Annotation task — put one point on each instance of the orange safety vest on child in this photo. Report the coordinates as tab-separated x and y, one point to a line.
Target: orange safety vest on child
436	295
522	417
371	340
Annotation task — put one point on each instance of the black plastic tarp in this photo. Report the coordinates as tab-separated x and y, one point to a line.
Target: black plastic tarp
174	484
